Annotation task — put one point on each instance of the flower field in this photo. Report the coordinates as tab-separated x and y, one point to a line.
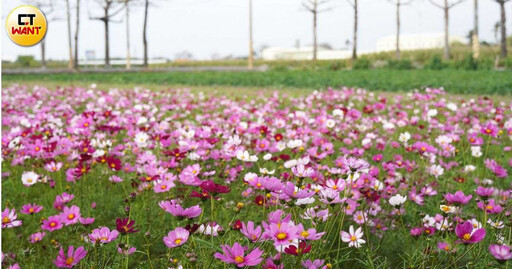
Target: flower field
134	178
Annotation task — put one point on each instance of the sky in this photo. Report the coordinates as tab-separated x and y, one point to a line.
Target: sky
208	27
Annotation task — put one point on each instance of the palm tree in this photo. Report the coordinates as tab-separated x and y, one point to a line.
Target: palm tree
77	26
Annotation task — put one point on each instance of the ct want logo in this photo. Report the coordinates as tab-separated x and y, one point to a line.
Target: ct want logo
26	25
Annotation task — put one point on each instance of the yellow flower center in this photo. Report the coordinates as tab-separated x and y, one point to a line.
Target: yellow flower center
38	148
6	220
281	236
239	259
69	261
177	241
31	210
304	234
353	238
53	224
163	187
71	216
466	236
335	187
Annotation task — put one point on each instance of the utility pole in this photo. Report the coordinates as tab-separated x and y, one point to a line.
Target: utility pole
251	50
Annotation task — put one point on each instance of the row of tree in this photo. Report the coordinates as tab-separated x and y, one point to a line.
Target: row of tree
317	6
111	8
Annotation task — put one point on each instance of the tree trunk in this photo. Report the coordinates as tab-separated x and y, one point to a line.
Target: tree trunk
70	62
314	34
503	30
128	58
76	33
446	31
354	45
475	41
107	45
398	29
43	54
250	59
144	32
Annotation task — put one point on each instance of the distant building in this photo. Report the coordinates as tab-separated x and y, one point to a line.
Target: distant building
416	41
305	53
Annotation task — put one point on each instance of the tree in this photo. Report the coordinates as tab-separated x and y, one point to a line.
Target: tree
313	6
354	41
70	46
446	6
144	33
127	14
48	8
106	18
250	59
77	26
398	3
475	44
503	27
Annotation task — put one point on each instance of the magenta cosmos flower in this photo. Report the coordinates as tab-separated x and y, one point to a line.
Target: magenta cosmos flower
30	209
500	252
176	237
9	219
52	223
235	255
178	211
70	215
72	258
457	198
103	235
467	234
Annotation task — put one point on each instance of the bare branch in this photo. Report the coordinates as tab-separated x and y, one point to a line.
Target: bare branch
351	3
455	3
436	4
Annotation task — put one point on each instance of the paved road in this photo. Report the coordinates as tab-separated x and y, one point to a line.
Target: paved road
133	70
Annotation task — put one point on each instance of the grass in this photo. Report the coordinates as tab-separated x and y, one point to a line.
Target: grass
479	82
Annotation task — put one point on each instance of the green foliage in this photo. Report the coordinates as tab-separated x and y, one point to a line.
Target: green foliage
454	81
435	63
362	64
25	60
400	64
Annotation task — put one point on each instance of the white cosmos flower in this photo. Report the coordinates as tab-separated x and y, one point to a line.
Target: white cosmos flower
267	157
330	123
267	172
250	176
338	113
290	163
353	238
451	106
141	139
29	178
142	120
305	201
294	143
397	200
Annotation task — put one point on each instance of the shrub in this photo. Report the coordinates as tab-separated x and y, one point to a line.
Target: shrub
400	64
435	63
362	63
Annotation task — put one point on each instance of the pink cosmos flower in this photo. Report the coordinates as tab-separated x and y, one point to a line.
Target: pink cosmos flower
126	250
500	252
309	234
103	235
467	234
490	206
254	234
484	192
52	166
9	219
30	209
163	186
86	221
295	192
115	179
72	258
301	171
70	215
282	233
36	237
457	198
489	129
176	237
235	255
316	264
178	211
52	223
